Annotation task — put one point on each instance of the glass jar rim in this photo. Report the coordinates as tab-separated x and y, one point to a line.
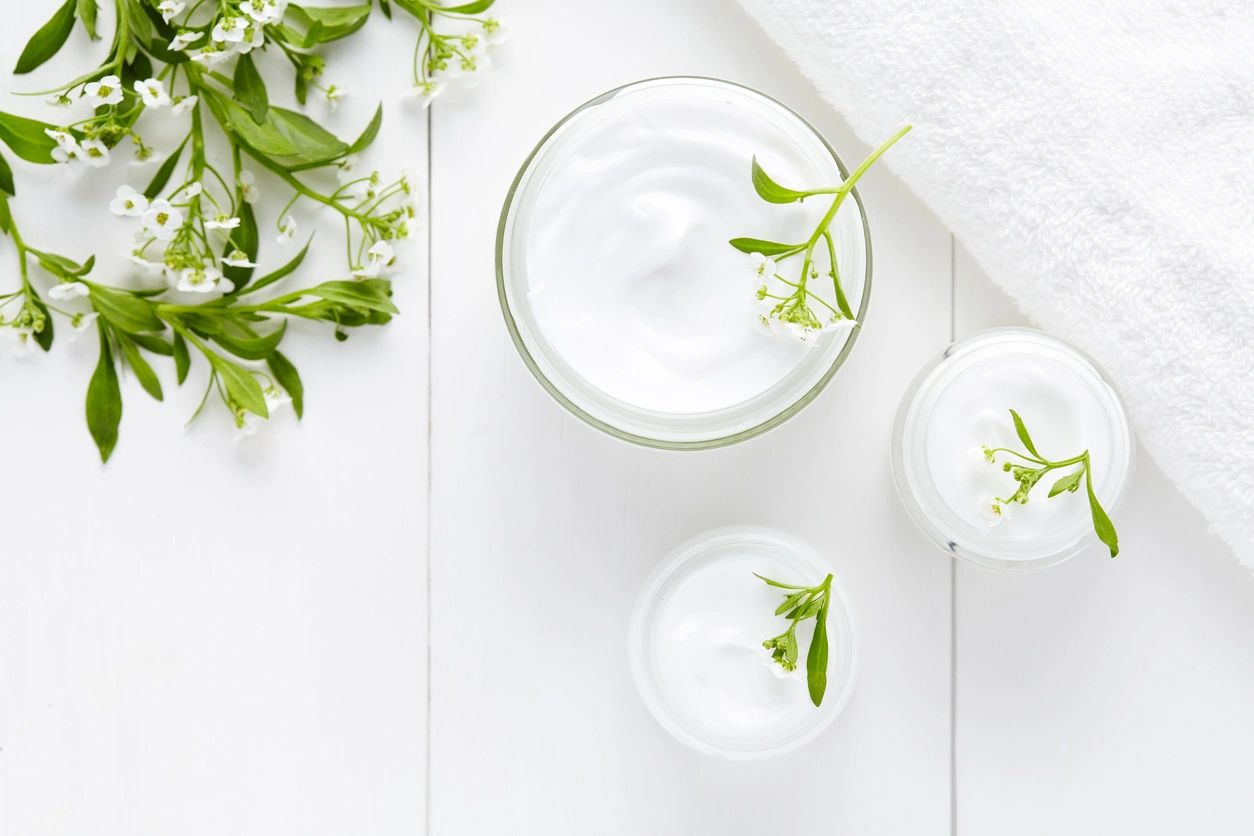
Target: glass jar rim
841	615
925	516
562	397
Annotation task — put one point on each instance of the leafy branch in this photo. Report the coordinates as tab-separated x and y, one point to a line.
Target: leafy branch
197	235
788	301
1030	467
802	603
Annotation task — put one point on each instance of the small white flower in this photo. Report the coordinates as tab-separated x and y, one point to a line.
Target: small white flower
169	8
238	258
200	279
429	89
379	255
334	93
263	11
23	340
472	69
189	191
128	203
275	398
993	511
67	146
212	54
183	104
80	322
94	152
182	40
763	268
230	30
152	268
162	220
254	38
222	221
248	186
106	91
68	290
287	230
152	92
496	30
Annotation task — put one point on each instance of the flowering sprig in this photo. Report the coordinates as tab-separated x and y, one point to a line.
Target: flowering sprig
444	56
197	238
802	603
791	302
1028	468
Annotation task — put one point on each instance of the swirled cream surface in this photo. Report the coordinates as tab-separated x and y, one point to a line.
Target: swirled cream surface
1067	407
707	633
629	275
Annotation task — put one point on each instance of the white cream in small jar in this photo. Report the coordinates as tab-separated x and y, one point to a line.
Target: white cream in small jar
961	403
617	278
696	645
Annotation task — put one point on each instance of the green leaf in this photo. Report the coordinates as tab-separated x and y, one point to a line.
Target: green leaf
1067	483
27	138
284	134
6	177
162	176
87	13
1022	432
250	90
790	602
270	278
386	8
328	23
6	218
143	372
64	267
251	346
791	651
153	343
816	659
244	239
468	8
767	248
285	375
124	311
370	295
769	190
368	135
44	335
50	38
182	360
241	386
777	584
1101	522
104	400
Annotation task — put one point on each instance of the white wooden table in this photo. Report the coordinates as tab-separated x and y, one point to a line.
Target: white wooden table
407	613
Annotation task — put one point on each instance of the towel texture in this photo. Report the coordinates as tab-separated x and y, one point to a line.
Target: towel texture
1097	159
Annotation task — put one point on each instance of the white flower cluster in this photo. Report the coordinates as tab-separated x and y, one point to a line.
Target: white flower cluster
107	91
238	29
459	57
174	236
783	309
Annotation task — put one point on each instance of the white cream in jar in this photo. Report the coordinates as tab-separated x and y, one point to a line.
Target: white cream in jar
697	649
961	404
618	278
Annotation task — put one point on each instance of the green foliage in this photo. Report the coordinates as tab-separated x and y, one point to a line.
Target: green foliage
802	603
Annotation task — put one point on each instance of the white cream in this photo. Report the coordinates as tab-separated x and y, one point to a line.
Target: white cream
963	405
697	649
629	275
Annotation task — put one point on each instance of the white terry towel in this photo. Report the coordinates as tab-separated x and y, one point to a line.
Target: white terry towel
1097	159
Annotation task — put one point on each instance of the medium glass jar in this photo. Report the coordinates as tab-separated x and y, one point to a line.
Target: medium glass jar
695	644
615	275
960	403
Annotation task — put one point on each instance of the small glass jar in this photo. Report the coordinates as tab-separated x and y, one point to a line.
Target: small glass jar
695	645
654	425
961	401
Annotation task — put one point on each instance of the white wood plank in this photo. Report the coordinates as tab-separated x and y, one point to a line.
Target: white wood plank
1105	696
543	529
206	637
